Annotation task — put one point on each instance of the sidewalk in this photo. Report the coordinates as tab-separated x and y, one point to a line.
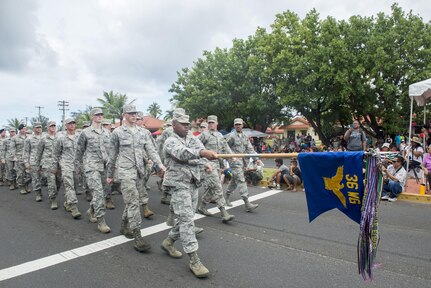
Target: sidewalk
411	193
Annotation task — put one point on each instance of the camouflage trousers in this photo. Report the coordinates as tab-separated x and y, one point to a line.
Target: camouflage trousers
53	181
212	188
22	177
35	178
184	201
70	181
131	197
10	171
237	181
147	173
96	181
143	193
2	172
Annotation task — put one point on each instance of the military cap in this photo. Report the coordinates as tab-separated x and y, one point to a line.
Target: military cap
51	123
113	126
212	118
96	111
179	111
37	125
12	129
21	126
237	121
204	125
129	108
168	123
86	124
69	120
140	115
106	122
182	118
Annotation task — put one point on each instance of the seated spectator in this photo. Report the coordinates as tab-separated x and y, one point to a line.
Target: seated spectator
394	179
254	171
277	177
293	178
385	147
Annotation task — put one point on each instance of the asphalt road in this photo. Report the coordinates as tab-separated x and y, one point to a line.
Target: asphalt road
273	247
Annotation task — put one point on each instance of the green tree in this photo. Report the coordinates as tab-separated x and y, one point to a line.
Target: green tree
43	121
81	116
154	110
13	123
113	104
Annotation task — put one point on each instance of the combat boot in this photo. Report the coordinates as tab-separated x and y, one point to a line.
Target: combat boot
198	230
249	206
165	199
101	225
226	198
226	217
168	246
28	187
73	209
66	206
160	185
90	215
203	210
170	221
125	230
54	205
22	190
147	213
195	264
38	196
109	204
139	243
12	185
88	196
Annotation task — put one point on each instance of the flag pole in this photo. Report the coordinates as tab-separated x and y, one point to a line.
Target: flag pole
283	155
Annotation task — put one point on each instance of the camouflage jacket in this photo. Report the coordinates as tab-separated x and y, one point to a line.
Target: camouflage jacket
182	161
64	152
92	149
168	132
214	141
30	149
7	155
17	147
239	143
45	151
2	148
130	146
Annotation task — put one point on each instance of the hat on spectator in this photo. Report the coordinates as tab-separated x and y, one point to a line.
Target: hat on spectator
96	111
69	120
212	118
37	125
51	123
129	108
386	145
237	121
417	140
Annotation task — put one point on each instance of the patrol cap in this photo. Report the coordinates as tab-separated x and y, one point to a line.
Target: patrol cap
212	118
140	115
12	129
204	125
113	126
21	126
51	123
96	111
106	122
129	108
178	111
182	118
37	125
69	120
85	124
237	121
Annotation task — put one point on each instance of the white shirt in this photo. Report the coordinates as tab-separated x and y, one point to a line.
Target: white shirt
400	174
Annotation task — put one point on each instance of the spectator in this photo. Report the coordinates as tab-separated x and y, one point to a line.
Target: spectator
293	178
277	177
355	137
385	147
394	179
427	165
254	171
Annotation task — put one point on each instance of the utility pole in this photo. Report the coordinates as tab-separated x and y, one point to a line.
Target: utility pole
63	104
39	108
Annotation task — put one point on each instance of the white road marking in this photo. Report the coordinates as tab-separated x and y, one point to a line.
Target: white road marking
41	263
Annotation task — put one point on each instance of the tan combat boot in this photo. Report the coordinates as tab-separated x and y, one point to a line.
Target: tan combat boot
38	196
109	204
73	209
226	217
168	246
147	213
90	215
12	185
198	269
54	205
125	230
249	206
203	210
140	244
22	190
101	225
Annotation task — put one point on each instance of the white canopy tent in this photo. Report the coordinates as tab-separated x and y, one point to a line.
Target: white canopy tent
421	92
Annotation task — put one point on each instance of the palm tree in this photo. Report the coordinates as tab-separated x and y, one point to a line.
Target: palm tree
169	114
113	104
81	116
14	123
43	120
154	110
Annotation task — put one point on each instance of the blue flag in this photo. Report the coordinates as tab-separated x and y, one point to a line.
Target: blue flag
333	180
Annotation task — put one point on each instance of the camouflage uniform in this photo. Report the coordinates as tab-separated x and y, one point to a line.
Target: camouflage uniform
17	149
128	147
44	159
214	140
2	166
92	155
183	177
8	157
64	154
30	155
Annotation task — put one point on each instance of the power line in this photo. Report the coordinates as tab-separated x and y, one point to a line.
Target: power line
63	104
39	108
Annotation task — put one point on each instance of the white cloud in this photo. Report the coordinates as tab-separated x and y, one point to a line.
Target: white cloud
54	50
